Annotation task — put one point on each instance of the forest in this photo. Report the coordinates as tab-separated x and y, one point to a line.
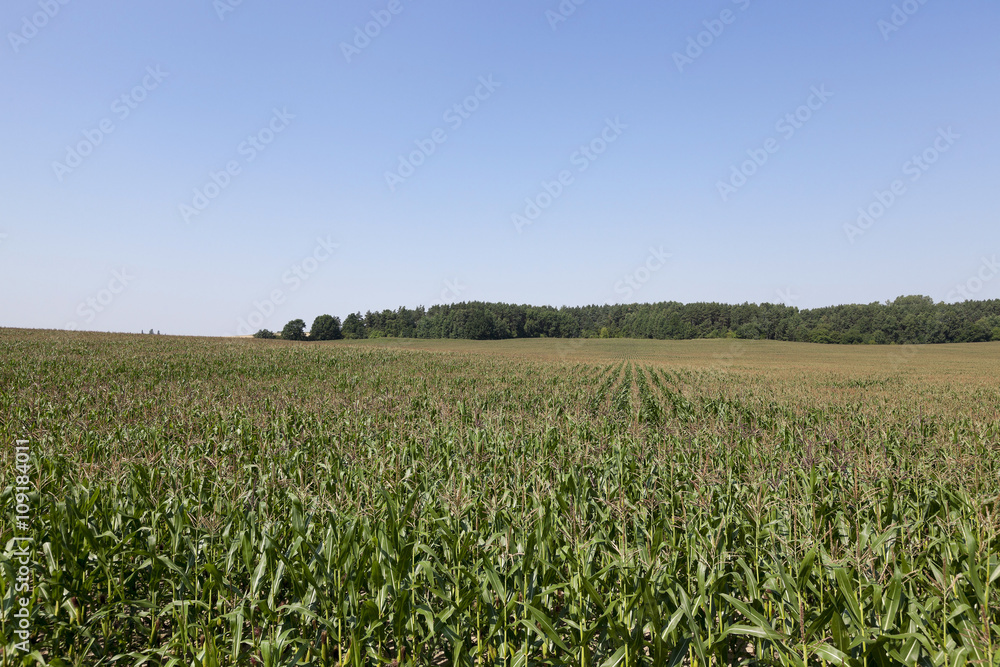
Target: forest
905	320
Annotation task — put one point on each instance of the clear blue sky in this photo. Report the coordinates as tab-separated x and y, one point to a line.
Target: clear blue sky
338	122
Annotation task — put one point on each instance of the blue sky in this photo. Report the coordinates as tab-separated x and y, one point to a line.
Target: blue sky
667	123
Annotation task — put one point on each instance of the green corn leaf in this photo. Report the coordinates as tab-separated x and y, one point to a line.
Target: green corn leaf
830	654
545	623
761	624
847	593
753	631
617	658
894	597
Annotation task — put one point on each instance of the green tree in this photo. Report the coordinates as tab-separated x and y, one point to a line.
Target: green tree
264	333
478	325
353	327
294	330
325	327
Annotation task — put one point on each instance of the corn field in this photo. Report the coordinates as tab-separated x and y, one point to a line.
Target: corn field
206	502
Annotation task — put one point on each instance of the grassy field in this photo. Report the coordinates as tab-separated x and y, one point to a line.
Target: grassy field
542	502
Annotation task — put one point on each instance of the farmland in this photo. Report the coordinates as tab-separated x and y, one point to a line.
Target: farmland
593	502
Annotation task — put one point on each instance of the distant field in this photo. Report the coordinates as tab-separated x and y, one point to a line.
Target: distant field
968	360
545	502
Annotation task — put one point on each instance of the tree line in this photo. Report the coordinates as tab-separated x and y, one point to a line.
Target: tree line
906	320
